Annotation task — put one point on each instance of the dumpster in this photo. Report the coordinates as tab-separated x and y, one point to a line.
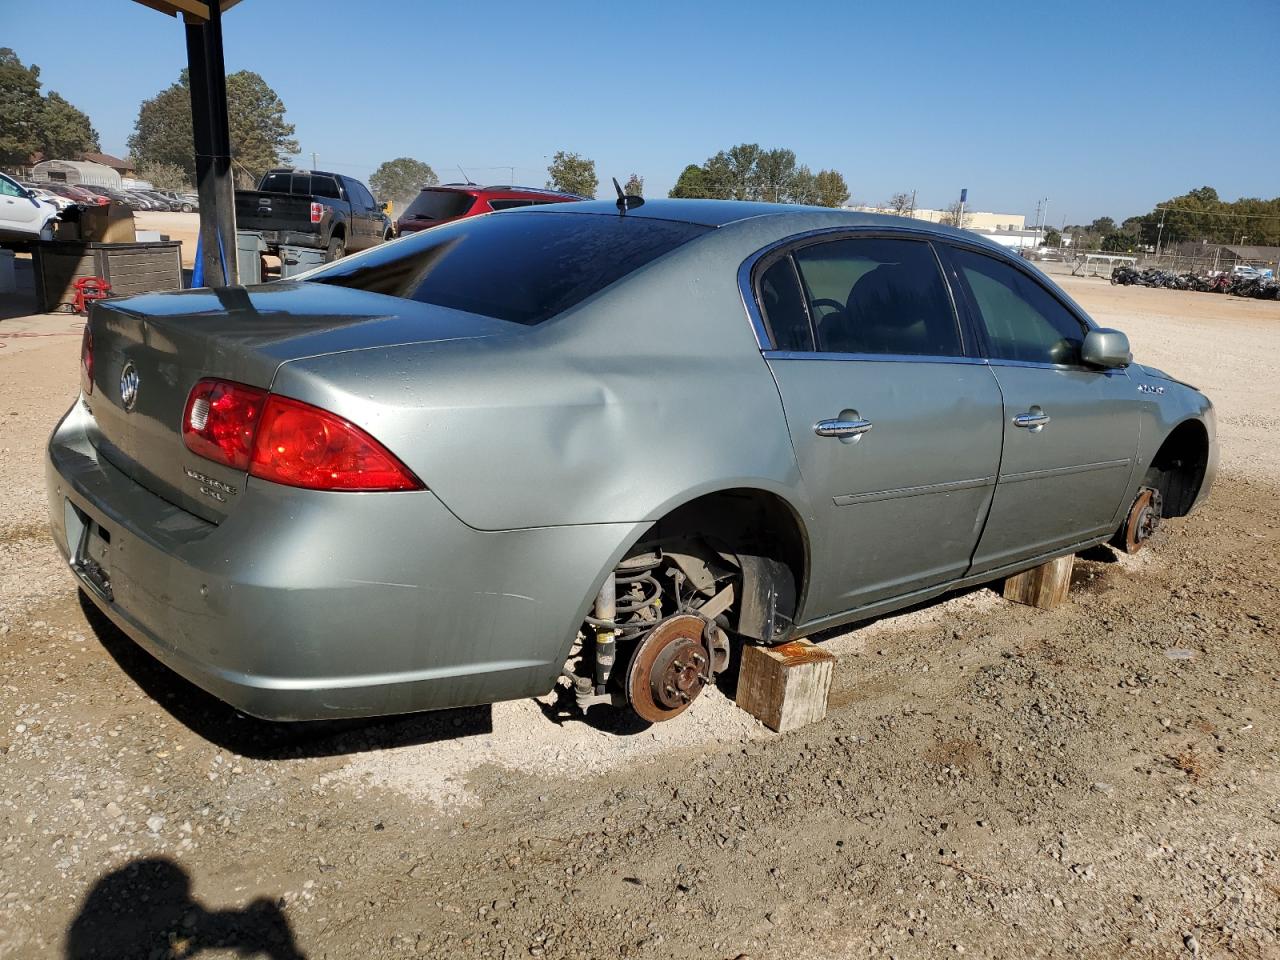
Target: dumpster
295	260
129	267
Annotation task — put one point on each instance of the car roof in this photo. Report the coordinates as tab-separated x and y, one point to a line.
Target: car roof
720	213
501	188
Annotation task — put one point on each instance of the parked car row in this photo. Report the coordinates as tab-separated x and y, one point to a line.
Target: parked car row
62	195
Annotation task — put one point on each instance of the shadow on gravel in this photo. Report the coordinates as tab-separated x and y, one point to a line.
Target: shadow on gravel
564	710
223	725
145	909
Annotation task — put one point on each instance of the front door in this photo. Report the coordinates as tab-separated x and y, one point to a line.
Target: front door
896	431
18	212
1070	431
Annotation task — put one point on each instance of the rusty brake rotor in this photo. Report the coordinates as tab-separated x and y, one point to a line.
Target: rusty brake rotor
669	669
1144	518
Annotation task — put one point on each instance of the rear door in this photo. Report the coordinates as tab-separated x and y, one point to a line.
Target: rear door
1070	431
895	424
366	209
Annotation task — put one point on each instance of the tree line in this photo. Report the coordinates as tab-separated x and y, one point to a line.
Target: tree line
749	172
1196	216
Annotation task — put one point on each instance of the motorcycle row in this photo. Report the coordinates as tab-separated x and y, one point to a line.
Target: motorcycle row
1261	288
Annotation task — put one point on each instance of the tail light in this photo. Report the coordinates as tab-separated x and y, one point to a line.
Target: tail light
220	421
86	360
287	441
317	211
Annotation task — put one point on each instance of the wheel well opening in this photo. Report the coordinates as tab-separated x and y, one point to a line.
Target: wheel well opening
741	521
1177	470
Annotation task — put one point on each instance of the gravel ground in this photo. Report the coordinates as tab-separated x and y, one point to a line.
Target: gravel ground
1097	781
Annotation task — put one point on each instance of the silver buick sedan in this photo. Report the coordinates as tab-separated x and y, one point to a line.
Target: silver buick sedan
594	445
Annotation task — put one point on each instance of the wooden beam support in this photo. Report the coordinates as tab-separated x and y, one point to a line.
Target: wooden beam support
1044	586
785	687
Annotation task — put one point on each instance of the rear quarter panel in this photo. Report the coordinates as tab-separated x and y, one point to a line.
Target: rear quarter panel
639	399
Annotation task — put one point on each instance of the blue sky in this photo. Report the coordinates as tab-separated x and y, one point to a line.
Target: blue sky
1104	108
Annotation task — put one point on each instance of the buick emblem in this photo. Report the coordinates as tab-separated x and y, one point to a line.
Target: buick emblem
129	386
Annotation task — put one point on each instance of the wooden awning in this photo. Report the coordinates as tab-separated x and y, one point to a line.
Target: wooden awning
193	11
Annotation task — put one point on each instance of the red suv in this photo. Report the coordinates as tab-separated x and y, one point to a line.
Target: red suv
453	201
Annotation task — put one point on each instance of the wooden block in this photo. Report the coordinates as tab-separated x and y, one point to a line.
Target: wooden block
785	687
1044	586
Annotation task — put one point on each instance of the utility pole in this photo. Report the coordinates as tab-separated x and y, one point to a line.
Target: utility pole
913	204
1159	234
964	195
313	160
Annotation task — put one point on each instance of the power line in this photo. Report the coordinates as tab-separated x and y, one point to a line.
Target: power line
1215	213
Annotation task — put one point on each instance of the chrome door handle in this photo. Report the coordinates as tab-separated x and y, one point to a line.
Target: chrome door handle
841	428
1031	420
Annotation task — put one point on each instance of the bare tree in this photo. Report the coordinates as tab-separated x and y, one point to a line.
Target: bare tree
901	204
952	216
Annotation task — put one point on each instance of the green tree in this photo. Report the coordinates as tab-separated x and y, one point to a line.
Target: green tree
399	180
802	187
162	132
1102	225
775	176
572	173
692	184
65	131
1052	238
1116	242
831	189
20	109
261	138
634	187
165	176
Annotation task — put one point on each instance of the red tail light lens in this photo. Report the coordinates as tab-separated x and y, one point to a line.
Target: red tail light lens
317	211
220	421
287	441
86	360
303	446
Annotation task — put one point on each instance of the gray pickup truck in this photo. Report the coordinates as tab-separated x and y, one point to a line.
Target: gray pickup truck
311	208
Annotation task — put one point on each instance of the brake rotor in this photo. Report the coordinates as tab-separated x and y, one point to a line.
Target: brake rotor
1144	518
669	669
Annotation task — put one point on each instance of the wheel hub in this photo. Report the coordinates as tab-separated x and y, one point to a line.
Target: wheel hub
669	668
1144	519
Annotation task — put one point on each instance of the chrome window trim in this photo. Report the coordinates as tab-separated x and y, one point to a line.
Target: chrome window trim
771	354
756	319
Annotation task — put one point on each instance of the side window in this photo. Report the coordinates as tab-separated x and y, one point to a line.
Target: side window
1022	319
878	296
9	189
508	204
324	187
782	303
359	195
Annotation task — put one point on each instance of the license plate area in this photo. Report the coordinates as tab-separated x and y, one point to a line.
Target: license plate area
89	545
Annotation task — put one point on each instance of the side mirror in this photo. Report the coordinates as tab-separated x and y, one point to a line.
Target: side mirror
1106	348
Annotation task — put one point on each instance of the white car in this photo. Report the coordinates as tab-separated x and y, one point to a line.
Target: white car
49	196
24	216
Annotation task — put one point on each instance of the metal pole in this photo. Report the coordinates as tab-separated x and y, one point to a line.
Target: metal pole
212	139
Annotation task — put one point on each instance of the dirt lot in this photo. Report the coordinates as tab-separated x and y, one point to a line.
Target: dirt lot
1098	781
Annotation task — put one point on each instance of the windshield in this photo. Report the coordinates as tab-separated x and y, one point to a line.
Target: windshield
439	205
521	267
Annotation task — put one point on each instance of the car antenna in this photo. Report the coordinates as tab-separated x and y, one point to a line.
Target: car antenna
626	200
470	182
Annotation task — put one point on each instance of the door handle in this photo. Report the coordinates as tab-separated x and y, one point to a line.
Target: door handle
1032	421
841	428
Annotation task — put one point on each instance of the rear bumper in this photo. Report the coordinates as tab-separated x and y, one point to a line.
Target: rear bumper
292	238
306	605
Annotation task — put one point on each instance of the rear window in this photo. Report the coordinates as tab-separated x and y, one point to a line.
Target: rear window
439	205
525	268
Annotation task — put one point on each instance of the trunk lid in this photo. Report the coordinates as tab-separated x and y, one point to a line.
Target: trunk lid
163	344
